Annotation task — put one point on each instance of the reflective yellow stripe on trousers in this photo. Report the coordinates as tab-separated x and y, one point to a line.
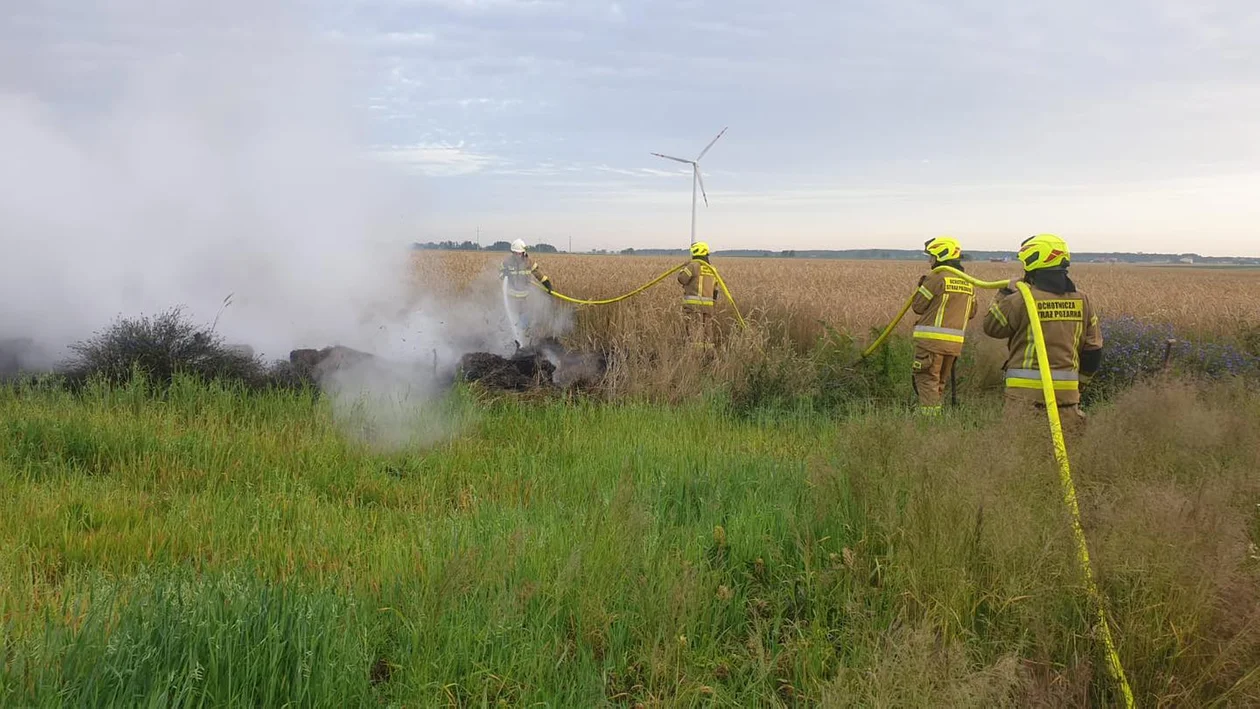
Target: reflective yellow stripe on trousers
697	300
948	334
1063	379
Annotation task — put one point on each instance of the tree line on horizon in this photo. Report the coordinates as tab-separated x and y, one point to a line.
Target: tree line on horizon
871	254
474	246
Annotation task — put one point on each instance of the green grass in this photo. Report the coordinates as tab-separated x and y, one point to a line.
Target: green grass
213	548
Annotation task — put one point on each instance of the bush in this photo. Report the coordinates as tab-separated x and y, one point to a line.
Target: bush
1135	350
162	346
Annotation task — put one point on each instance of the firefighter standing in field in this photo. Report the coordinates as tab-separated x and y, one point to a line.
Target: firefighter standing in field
700	292
945	303
1069	325
517	272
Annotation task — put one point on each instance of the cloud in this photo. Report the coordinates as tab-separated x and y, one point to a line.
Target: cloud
507	93
436	159
643	171
479	103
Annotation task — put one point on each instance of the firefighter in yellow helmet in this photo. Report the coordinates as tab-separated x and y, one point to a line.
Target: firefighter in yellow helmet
517	272
945	303
1069	324
700	292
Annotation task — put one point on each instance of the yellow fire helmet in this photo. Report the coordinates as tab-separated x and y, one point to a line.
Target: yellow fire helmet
699	249
1044	251
943	248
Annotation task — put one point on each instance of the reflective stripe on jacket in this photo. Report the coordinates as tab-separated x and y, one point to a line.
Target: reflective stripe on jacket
699	282
518	271
1062	379
945	303
1069	325
944	334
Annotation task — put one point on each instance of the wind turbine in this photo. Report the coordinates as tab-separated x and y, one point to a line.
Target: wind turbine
696	179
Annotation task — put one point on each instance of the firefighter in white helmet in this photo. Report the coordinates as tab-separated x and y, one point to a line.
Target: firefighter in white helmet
517	272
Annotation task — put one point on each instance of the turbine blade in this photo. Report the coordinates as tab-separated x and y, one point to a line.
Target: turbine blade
670	157
710	145
701	181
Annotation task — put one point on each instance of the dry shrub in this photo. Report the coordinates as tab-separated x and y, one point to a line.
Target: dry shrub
166	345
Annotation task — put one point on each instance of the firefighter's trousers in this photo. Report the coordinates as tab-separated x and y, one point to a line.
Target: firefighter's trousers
1029	404
931	373
699	325
518	314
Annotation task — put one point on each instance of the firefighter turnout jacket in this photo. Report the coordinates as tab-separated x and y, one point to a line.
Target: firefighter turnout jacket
518	270
699	282
945	303
1070	328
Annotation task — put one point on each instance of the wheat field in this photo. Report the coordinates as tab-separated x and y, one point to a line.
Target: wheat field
857	295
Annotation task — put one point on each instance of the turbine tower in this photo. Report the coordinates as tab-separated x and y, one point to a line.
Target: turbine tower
696	179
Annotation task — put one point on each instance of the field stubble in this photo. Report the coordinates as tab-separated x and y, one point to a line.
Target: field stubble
798	294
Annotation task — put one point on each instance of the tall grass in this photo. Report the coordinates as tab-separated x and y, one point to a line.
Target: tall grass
177	642
213	547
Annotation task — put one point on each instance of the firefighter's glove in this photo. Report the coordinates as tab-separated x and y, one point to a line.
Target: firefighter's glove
922	279
1091	362
547	284
1005	291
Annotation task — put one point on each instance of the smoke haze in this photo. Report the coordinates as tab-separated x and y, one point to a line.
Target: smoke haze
213	165
204	158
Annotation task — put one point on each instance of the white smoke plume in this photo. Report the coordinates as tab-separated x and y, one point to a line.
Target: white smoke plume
175	153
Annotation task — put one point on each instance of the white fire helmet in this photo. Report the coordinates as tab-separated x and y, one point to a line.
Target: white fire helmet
518	247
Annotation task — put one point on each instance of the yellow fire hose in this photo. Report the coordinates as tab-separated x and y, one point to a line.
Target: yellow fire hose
888	330
645	286
1060	454
727	292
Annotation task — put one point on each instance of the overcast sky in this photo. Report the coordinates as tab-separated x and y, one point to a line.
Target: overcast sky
1121	125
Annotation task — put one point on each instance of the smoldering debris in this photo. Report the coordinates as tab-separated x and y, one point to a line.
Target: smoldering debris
520	372
317	364
574	369
546	365
167	344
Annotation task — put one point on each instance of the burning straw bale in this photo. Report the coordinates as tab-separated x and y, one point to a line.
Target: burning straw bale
547	365
523	371
318	364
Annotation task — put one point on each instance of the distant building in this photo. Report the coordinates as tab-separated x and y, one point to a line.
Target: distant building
1185	259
